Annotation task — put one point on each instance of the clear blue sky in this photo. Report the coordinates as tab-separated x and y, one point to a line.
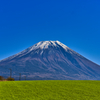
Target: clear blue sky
76	23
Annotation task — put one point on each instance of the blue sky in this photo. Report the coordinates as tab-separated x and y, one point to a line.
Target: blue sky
76	23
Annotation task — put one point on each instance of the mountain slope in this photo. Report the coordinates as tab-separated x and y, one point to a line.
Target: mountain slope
50	60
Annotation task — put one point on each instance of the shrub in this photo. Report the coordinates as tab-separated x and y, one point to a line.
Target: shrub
10	79
1	78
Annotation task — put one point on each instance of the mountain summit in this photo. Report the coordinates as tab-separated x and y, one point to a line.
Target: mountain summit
50	60
40	47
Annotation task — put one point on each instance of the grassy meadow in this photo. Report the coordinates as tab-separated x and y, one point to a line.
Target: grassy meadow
50	90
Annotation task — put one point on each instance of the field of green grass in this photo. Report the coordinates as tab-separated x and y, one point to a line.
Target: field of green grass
50	90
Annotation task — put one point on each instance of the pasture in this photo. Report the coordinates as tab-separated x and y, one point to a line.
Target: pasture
50	90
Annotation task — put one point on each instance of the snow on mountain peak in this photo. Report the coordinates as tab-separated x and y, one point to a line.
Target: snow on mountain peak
46	44
42	45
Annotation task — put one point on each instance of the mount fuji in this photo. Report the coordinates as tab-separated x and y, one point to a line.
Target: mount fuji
50	60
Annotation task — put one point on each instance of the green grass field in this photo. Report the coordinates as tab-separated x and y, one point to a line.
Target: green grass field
50	90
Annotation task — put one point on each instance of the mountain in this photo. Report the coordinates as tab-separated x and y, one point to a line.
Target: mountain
50	60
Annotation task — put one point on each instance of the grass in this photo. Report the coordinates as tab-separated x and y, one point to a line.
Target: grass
50	90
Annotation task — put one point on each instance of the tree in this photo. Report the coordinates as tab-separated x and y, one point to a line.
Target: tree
1	78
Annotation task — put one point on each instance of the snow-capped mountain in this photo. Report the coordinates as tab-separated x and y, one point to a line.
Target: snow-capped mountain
50	60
